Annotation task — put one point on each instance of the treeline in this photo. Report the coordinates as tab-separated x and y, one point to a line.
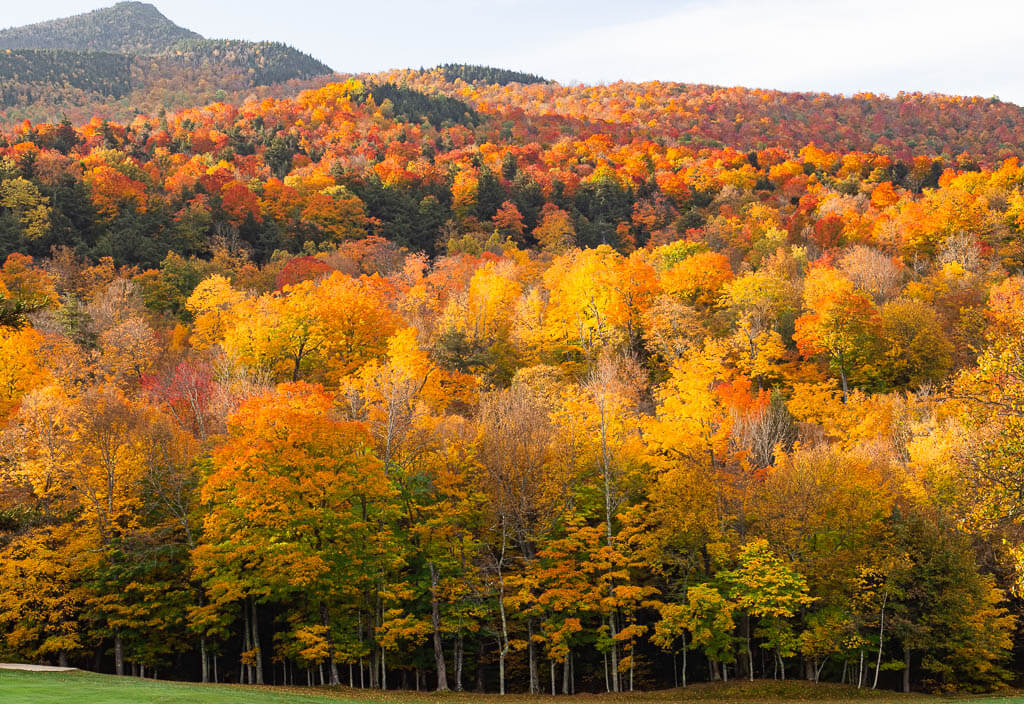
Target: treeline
263	63
408	105
489	75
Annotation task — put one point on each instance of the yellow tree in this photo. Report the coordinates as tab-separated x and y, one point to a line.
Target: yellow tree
316	539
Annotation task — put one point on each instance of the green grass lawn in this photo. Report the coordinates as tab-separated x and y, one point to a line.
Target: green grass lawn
88	688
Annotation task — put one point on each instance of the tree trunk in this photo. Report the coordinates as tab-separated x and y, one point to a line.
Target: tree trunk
480	668
256	642
325	620
565	673
435	620
383	669
501	671
205	661
243	673
531	648
684	659
375	669
906	669
614	652
62	658
750	654
459	656
118	655
881	639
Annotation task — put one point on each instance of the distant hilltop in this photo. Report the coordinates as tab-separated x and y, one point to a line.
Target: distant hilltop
131	52
125	28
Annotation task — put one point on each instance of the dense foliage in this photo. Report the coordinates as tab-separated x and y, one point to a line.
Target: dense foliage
28	75
595	390
265	62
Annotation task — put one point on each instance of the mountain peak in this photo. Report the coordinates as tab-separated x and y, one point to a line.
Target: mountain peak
126	28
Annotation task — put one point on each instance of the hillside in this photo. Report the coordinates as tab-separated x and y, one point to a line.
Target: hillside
125	28
130	58
29	75
363	377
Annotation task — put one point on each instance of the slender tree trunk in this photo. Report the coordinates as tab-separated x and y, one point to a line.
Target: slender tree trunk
504	637
881	639
204	659
118	655
245	674
607	683
383	669
256	642
606	471
614	652
480	668
860	670
551	663
750	654
375	669
435	620
906	669
501	671
531	649
215	677
459	656
684	659
565	673
325	620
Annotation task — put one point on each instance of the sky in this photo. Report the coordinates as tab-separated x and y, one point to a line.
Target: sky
964	47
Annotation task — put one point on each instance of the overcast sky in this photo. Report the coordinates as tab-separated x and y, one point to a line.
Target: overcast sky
970	47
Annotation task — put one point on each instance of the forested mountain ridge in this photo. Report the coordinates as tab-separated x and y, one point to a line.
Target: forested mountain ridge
125	28
129	57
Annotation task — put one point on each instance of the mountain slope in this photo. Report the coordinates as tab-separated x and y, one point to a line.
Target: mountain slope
126	28
129	57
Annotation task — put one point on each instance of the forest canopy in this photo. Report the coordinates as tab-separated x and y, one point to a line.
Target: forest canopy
465	378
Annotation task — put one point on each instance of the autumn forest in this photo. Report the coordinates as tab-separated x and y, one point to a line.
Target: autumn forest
462	379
